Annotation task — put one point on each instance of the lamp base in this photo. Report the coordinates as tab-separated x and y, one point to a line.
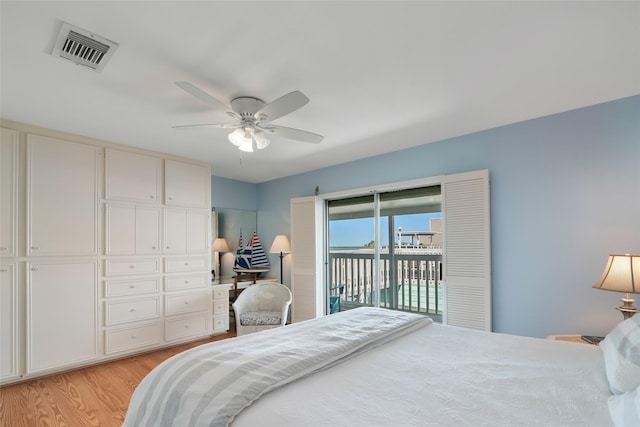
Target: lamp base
627	308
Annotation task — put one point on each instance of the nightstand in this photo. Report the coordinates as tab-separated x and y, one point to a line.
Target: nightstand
569	338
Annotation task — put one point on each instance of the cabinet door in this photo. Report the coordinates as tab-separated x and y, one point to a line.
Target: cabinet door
61	314
147	230
197	235
62	202
8	321
132	176
175	230
120	230
132	230
8	192
187	184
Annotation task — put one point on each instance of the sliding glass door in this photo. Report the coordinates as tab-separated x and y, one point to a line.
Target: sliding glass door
443	267
385	249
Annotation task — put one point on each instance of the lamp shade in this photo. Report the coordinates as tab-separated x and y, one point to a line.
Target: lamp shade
220	245
262	141
621	274
280	245
247	145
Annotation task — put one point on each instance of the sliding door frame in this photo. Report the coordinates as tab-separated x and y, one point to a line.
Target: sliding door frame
477	216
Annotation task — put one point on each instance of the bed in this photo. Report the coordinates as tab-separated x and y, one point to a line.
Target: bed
378	367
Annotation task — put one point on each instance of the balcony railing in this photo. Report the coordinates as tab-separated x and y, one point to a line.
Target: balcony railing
410	279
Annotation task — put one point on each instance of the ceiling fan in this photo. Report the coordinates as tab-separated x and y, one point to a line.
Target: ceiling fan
252	118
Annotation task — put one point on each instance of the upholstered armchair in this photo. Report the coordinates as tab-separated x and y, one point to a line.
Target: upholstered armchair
261	306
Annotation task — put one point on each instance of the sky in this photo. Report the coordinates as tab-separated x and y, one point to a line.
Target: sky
359	232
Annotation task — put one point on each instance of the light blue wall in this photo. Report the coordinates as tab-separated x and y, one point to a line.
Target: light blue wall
565	193
233	194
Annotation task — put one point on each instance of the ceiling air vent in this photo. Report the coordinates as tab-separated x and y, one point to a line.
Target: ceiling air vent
83	47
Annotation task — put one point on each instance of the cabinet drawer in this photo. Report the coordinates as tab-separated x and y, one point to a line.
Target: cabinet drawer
220	307
117	340
131	287
131	310
221	322
177	265
185	282
186	327
127	267
186	303
221	293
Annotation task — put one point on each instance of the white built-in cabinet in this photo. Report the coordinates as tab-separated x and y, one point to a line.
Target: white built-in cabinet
9	267
62	314
187	184
9	306
86	274
62	197
185	231
132	229
220	307
8	192
132	177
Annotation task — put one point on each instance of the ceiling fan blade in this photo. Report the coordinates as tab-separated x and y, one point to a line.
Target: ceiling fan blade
202	95
297	134
209	125
282	106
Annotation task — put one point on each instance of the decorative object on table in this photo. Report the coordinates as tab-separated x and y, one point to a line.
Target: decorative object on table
622	274
251	258
592	339
282	246
219	245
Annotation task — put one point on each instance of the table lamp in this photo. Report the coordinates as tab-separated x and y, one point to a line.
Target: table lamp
622	274
219	245
280	245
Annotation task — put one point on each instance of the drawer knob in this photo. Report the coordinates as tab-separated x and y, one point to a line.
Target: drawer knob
132	266
132	310
186	302
186	281
153	247
132	286
3	248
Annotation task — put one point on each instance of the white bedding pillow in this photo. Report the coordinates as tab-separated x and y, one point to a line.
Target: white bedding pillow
625	409
621	350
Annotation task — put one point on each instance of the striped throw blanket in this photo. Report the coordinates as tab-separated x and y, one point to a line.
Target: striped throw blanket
210	384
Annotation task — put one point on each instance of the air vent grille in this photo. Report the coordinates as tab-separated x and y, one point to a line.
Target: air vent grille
83	47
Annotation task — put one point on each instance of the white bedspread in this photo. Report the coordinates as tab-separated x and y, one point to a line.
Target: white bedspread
433	376
447	376
209	385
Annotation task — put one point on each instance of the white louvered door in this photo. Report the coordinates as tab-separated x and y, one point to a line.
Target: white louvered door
306	254
467	250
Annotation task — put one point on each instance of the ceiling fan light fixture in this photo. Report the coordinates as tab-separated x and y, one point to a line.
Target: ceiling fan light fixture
247	145
262	141
251	115
237	137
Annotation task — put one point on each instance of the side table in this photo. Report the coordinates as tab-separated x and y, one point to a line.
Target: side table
569	338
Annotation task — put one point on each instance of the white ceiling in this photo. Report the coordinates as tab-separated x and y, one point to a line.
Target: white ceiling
381	76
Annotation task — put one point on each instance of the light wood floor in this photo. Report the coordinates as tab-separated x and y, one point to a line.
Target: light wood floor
94	396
